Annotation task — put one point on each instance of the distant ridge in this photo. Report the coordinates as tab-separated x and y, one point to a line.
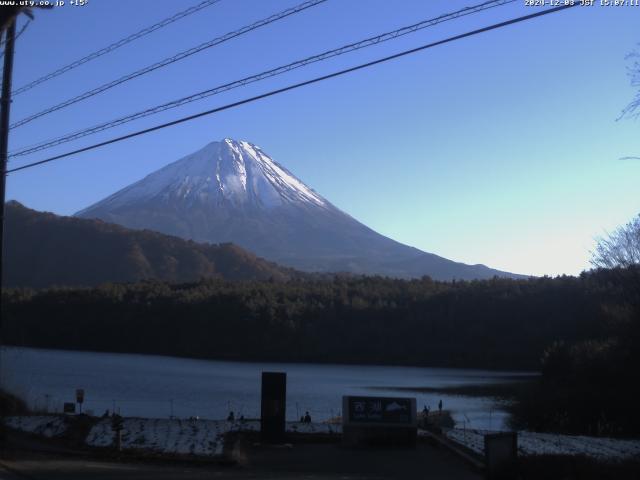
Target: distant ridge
43	249
232	191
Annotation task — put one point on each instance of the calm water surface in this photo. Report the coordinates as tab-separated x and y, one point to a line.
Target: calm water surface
157	386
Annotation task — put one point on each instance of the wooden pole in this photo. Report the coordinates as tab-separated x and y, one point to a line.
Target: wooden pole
5	107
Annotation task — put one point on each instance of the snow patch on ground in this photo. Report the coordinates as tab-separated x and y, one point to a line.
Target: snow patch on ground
323	428
44	425
177	436
206	437
187	437
174	436
532	443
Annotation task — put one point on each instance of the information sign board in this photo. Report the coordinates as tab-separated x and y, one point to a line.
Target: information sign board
379	410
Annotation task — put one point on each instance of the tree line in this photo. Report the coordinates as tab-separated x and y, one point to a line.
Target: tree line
581	332
498	323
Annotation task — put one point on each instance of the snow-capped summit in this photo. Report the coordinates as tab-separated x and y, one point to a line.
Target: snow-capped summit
232	191
236	172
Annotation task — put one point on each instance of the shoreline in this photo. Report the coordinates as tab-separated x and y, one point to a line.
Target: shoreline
510	372
501	391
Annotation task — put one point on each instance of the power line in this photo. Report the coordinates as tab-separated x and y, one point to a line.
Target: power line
116	45
297	85
167	61
44	145
24	27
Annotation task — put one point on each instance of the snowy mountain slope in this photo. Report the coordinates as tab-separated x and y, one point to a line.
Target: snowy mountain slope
232	191
235	172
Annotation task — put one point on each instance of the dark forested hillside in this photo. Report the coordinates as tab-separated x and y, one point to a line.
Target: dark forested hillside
43	249
497	323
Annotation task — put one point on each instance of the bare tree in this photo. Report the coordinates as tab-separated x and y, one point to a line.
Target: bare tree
620	248
633	109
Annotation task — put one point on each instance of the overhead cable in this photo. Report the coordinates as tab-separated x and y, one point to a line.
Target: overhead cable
115	45
296	86
260	76
168	61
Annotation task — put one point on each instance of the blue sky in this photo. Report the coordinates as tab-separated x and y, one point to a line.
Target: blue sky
500	149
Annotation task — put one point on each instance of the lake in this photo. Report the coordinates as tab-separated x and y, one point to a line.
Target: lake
158	386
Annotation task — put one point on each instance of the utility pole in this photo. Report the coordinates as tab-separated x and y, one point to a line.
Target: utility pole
5	107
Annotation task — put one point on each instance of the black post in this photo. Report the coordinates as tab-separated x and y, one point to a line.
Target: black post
273	408
5	107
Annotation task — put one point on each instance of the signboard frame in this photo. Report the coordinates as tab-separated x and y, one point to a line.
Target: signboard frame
349	414
379	421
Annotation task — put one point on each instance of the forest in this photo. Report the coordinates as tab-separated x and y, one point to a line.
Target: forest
581	332
83	252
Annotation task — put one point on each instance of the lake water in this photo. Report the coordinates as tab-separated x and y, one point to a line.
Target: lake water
158	386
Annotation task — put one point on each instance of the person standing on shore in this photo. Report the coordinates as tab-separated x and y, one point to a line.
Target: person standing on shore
425	416
440	406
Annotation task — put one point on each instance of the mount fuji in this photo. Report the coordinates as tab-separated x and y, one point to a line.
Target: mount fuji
232	191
